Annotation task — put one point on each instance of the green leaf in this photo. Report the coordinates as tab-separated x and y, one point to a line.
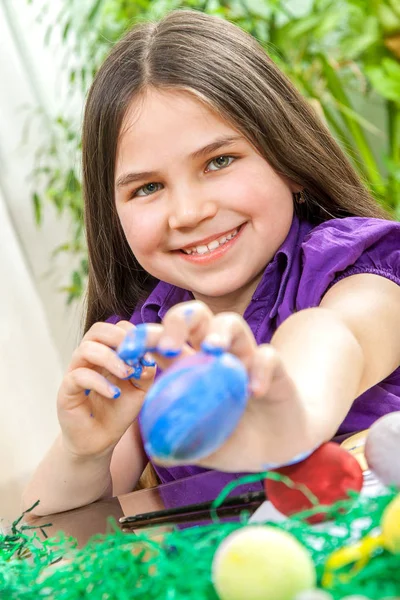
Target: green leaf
299	27
329	22
386	79
66	29
389	19
37	208
94	11
76	279
48	34
61	249
361	41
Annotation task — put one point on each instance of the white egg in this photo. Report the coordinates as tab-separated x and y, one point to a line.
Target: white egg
382	448
313	595
355	597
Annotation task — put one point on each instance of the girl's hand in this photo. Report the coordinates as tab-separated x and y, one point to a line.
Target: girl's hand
272	390
98	399
92	422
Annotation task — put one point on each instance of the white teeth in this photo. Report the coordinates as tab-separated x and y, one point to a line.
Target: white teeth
212	245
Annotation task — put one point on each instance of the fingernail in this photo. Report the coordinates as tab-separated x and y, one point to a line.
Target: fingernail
187	313
134	344
87	392
211	349
115	391
214	343
256	386
166	348
136	372
147	361
126	371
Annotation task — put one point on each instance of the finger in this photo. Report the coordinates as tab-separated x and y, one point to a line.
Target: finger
125	325
188	321
265	369
230	332
96	354
143	341
145	381
83	379
107	333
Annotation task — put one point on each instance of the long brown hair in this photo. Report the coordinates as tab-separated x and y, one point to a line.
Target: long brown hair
229	71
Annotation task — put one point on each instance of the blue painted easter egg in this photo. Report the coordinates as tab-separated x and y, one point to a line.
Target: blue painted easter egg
194	407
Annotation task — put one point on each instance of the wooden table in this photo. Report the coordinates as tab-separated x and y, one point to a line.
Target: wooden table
82	523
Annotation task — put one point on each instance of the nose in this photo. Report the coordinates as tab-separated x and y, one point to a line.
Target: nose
189	207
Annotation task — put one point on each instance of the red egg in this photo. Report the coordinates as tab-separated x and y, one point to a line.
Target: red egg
329	473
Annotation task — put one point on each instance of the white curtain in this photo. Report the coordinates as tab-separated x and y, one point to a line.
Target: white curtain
29	372
37	330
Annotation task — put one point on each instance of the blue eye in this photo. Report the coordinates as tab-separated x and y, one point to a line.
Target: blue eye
148	189
221	162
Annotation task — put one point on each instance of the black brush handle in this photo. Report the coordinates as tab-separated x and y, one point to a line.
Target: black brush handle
202	509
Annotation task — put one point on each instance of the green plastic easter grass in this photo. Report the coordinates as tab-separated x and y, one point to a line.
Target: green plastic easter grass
123	566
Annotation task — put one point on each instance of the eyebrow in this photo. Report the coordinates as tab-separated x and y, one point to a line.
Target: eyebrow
227	140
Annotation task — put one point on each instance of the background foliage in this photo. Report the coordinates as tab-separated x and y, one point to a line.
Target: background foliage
341	54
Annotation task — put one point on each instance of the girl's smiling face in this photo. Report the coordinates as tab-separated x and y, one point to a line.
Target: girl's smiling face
200	207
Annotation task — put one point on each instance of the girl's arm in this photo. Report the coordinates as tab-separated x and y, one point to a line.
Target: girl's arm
99	452
128	461
306	380
369	305
64	481
339	350
94	426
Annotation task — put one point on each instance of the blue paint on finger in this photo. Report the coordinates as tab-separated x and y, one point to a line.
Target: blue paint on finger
133	349
87	392
296	459
169	352
133	346
116	390
147	362
210	349
137	373
187	313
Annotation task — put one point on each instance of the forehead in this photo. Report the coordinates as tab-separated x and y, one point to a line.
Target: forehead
167	120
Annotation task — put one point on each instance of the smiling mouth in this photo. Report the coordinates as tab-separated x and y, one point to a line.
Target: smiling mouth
211	246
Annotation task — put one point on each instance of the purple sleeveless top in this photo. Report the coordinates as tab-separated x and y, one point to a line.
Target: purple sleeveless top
309	262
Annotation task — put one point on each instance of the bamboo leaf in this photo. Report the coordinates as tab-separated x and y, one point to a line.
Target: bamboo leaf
94	11
66	29
356	45
386	79
360	141
37	208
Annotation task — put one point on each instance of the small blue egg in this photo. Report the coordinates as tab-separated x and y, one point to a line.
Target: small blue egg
194	407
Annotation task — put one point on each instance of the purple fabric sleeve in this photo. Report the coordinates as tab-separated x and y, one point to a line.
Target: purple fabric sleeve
113	319
135	318
343	247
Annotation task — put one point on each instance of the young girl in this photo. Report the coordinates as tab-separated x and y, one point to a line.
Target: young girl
220	209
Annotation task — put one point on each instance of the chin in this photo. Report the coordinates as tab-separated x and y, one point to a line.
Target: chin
217	291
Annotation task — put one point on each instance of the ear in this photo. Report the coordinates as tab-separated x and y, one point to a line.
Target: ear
295	188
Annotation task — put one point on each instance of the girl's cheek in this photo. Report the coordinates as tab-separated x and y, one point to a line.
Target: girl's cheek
142	227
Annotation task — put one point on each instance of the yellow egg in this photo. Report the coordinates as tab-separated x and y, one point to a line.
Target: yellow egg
262	563
390	525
